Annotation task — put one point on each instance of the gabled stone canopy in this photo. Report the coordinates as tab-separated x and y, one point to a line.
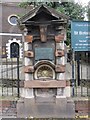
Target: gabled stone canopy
38	14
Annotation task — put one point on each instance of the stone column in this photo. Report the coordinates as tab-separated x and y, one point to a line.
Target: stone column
60	60
28	93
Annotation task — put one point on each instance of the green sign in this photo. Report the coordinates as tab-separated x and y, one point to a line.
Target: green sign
44	54
80	35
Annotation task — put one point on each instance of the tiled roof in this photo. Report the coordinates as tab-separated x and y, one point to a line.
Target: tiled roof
33	12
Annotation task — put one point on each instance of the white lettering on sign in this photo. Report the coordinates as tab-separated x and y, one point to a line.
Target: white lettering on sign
88	37
82	40
81	33
83	44
84	33
87	24
75	32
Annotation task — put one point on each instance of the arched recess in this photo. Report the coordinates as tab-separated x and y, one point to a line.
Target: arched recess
14	50
14	43
45	72
44	69
44	62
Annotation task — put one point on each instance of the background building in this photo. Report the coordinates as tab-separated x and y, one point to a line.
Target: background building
9	31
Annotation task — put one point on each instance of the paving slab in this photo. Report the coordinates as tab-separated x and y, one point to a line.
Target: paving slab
60	108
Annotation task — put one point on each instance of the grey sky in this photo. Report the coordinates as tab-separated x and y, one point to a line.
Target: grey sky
83	2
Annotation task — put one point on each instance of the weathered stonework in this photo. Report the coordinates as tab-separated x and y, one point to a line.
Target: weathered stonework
59	53
29	54
45	54
28	69
28	38
44	84
59	38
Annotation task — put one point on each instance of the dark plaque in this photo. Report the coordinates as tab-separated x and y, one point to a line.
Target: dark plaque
44	54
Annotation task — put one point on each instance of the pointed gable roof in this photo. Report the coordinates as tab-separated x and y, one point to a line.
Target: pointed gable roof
42	8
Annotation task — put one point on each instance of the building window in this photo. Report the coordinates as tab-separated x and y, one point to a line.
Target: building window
14	47
12	19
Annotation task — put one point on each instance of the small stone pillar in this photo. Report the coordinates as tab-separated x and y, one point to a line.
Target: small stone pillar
28	69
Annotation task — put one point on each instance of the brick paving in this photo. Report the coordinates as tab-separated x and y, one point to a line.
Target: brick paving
57	109
82	108
8	108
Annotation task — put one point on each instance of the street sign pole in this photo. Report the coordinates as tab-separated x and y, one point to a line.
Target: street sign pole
18	81
78	69
73	73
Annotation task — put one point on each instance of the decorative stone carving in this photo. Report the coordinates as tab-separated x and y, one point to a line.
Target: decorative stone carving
29	38
43	32
28	54
44	60
59	53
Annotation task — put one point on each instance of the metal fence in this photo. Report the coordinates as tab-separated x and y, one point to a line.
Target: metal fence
81	81
83	90
10	76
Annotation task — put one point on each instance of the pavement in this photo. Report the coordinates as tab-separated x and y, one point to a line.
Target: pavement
58	108
8	109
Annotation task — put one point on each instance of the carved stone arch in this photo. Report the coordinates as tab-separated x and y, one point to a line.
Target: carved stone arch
44	62
44	70
8	47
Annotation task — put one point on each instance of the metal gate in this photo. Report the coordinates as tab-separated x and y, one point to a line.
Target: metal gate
10	73
81	71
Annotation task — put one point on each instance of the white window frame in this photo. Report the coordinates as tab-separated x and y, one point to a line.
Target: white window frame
12	15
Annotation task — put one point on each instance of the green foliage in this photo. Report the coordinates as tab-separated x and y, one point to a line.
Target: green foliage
74	11
37	2
88	11
23	4
60	9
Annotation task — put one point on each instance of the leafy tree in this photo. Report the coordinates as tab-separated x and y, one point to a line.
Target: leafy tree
28	3
88	11
75	11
